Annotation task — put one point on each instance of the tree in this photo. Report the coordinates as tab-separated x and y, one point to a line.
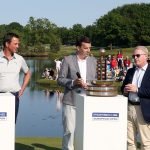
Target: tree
41	31
124	26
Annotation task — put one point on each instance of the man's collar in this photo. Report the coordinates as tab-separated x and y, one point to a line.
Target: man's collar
144	67
81	59
3	55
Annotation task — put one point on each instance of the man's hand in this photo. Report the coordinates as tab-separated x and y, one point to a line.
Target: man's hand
80	82
130	88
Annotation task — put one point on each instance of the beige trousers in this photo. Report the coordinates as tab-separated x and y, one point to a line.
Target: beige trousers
137	125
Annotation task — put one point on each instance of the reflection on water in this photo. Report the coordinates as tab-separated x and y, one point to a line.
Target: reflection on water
39	115
40	110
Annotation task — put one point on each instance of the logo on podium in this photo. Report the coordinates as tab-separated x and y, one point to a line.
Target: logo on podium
105	116
3	116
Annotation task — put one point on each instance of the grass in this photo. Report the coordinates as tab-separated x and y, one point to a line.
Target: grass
52	85
49	84
38	143
47	81
67	50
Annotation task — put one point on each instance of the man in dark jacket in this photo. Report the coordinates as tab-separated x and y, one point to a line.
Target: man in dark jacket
137	87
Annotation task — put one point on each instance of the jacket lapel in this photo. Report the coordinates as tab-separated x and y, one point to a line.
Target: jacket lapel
146	76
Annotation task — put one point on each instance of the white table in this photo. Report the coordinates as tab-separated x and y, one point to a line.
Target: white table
7	121
101	123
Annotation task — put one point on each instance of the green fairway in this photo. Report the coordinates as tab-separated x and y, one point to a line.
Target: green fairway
38	143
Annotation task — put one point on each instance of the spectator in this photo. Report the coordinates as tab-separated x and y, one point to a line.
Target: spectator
113	63
127	63
120	60
45	74
51	74
58	65
108	60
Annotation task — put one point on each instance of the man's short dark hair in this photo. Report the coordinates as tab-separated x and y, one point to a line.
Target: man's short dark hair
82	39
8	37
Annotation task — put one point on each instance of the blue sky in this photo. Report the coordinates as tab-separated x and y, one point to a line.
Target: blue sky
64	13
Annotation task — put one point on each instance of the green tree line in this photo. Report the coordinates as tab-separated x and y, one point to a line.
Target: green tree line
125	26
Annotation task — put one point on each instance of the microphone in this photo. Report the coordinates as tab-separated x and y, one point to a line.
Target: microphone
78	90
78	75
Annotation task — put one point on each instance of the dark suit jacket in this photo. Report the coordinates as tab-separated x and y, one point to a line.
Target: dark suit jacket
143	91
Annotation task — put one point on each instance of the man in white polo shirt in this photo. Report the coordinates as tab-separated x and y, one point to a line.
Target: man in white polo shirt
10	66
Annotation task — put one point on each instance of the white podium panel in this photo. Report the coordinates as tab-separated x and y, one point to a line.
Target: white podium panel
101	123
7	121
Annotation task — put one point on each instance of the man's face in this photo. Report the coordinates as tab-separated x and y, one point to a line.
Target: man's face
140	58
13	45
84	50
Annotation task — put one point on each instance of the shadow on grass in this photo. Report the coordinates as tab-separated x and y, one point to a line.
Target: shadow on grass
45	147
20	146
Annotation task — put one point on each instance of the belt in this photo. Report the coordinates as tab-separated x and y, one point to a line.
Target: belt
133	103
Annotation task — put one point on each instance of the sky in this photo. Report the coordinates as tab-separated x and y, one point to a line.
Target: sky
63	13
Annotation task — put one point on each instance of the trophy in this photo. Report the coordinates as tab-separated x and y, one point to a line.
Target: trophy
101	66
103	86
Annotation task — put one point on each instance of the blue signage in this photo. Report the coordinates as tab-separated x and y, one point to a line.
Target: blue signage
105	116
3	115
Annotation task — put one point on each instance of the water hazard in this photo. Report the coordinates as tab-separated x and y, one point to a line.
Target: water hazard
40	111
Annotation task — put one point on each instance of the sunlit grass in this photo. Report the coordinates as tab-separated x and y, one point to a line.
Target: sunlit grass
38	143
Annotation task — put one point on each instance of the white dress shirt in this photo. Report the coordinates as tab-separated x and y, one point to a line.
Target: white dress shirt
82	67
137	79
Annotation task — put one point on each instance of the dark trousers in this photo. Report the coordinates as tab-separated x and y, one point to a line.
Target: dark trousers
16	94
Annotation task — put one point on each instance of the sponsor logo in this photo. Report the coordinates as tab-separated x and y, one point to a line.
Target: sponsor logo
3	116
104	116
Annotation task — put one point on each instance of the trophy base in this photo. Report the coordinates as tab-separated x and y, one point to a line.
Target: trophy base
102	88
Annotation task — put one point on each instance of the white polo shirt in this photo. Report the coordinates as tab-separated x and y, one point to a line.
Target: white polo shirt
9	72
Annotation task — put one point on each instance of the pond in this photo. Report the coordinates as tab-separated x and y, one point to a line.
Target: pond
40	110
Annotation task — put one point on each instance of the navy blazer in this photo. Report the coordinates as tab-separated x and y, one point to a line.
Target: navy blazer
143	91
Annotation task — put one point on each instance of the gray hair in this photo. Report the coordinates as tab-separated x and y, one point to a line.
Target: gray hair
143	48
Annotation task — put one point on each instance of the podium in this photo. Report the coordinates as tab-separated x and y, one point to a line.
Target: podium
101	123
7	121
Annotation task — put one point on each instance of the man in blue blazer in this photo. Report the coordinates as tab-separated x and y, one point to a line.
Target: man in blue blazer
75	71
137	87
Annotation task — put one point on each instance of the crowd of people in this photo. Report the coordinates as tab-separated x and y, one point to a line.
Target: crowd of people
50	73
117	66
